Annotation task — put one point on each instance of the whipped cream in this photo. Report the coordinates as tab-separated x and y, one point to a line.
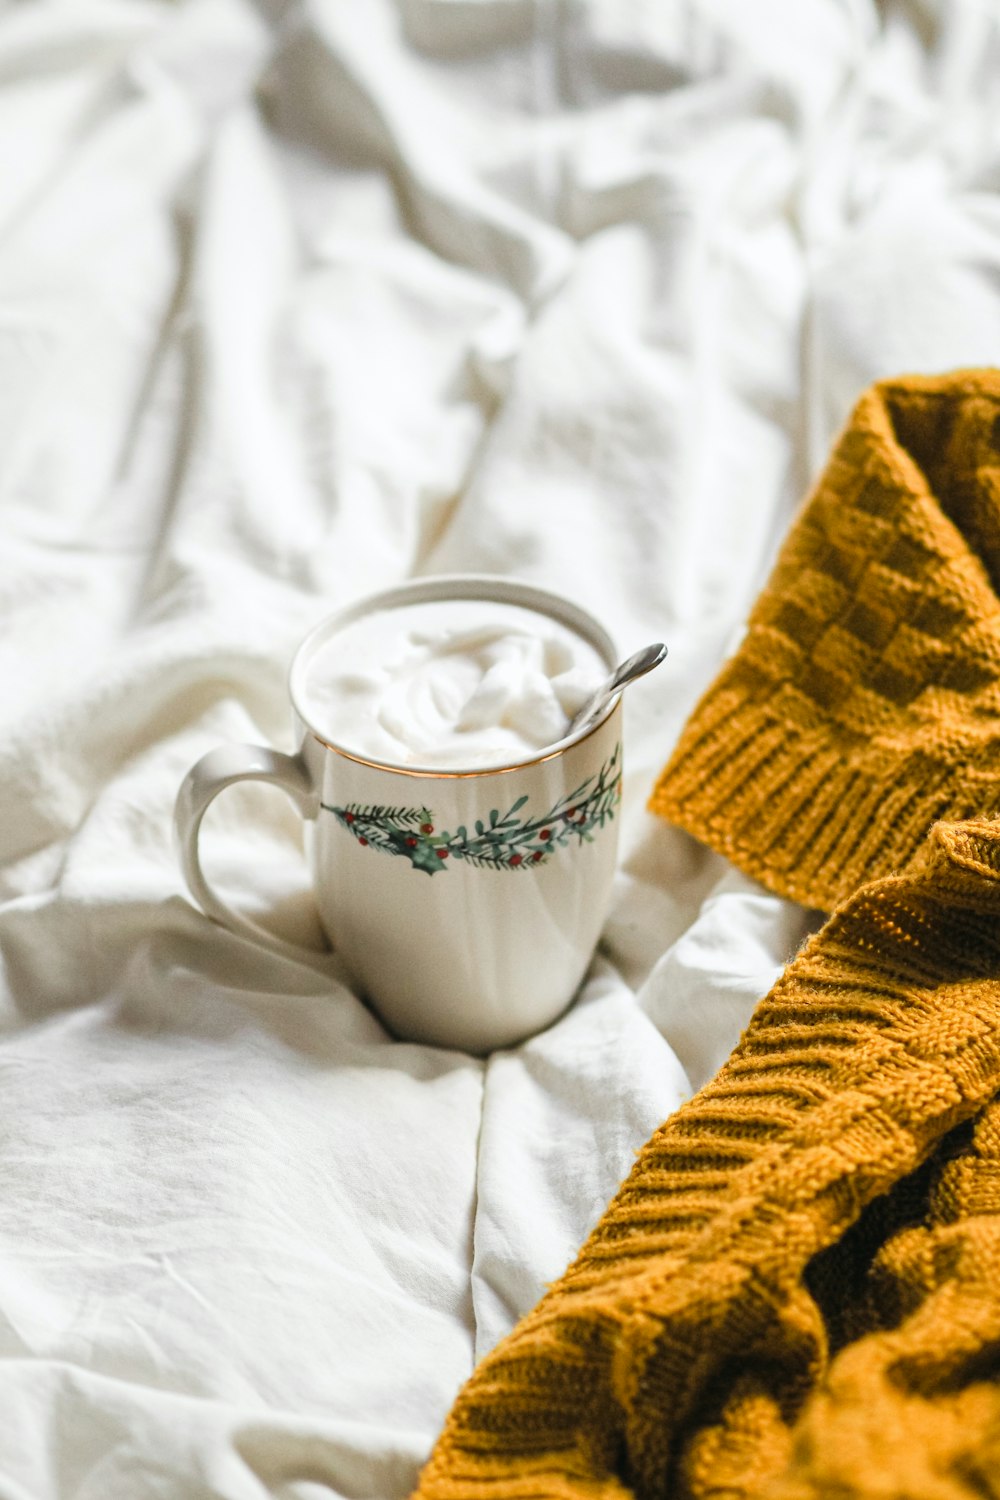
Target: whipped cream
450	684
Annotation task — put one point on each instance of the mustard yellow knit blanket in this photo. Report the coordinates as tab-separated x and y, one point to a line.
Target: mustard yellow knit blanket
796	1292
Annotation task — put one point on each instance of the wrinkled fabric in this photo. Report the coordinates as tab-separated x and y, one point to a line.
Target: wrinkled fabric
297	301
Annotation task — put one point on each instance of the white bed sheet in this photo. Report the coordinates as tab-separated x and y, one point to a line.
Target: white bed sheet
297	301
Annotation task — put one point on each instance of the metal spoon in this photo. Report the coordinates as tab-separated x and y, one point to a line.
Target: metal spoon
643	661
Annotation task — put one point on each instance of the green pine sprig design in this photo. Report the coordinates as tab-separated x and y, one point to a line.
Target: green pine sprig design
501	841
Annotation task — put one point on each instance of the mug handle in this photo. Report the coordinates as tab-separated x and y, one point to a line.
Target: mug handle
209	776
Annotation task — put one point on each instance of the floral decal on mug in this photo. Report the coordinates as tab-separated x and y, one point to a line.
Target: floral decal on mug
512	841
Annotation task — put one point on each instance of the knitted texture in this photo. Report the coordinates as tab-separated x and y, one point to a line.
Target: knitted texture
815	1222
864	701
796	1292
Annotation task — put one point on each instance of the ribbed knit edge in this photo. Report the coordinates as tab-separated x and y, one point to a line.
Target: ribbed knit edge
813	812
791	810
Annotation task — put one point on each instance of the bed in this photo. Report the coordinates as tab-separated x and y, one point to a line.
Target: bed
299	301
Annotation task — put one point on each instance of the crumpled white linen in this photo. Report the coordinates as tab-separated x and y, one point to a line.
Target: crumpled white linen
298	300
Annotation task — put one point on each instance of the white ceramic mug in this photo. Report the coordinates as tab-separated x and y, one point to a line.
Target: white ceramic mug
466	904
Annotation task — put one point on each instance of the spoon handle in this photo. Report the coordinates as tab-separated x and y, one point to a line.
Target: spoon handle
635	666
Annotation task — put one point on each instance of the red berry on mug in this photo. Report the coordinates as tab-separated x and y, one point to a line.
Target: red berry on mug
442	853
362	841
546	833
427	828
515	859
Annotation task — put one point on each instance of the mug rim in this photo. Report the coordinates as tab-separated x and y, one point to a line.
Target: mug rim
496	587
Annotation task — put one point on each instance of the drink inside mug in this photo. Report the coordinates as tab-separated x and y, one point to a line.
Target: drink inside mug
449	683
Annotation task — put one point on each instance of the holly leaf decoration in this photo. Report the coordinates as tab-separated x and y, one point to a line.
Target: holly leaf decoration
424	856
509	842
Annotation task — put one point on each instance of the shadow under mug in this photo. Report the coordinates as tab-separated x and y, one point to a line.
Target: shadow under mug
465	904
